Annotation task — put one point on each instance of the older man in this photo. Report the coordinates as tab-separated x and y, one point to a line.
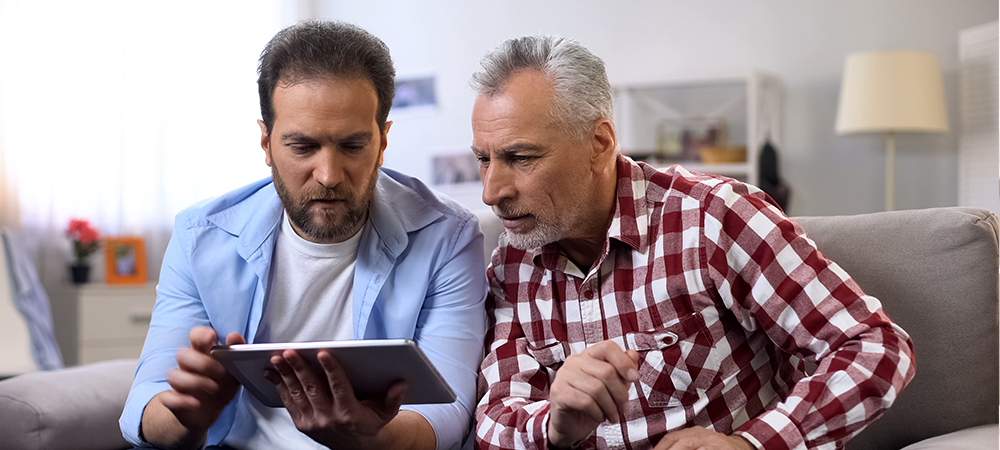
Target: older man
637	308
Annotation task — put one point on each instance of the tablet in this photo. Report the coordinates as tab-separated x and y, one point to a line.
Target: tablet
371	366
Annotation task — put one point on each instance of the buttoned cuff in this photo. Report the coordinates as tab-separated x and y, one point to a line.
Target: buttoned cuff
772	430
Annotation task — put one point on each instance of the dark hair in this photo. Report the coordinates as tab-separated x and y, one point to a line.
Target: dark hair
317	49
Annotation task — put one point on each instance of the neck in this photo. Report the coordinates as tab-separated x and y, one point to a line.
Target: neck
586	248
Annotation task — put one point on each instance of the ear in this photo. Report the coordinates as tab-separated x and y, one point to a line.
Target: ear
265	142
604	144
385	142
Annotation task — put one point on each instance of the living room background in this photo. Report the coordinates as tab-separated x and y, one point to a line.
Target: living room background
125	112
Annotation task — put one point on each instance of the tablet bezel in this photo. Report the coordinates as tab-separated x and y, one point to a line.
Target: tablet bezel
371	366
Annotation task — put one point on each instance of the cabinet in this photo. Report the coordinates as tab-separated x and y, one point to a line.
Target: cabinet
743	111
98	322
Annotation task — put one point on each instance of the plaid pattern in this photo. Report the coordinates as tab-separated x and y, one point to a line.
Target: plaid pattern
724	298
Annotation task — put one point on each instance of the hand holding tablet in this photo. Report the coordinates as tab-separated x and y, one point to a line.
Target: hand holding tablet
372	366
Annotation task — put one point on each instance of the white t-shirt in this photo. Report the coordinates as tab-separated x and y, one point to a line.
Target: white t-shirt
310	299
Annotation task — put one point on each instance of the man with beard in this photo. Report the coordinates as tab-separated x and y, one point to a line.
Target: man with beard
636	308
330	247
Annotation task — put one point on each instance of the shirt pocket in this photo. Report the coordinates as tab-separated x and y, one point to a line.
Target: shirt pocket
550	354
672	361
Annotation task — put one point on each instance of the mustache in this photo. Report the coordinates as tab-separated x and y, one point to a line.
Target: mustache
335	193
506	208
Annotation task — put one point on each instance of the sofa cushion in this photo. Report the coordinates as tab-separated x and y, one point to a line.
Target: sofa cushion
977	438
74	408
936	273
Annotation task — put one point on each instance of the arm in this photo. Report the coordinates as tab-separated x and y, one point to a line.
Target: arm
201	388
181	307
771	275
519	409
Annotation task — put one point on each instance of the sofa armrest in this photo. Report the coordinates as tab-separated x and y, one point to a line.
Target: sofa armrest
73	408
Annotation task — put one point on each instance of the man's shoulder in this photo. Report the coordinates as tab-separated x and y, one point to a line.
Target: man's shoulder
676	181
416	204
236	205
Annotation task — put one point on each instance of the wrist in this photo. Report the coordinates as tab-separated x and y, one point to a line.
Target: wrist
742	442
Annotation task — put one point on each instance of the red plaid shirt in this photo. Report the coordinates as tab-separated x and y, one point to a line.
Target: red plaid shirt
723	297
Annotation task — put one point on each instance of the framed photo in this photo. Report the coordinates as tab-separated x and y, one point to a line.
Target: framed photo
124	260
414	93
456	168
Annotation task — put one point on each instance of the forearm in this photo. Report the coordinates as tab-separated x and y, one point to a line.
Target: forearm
408	430
161	427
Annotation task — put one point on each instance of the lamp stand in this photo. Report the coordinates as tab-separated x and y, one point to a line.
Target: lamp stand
890	157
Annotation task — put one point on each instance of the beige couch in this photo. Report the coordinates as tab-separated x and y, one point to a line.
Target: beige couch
935	270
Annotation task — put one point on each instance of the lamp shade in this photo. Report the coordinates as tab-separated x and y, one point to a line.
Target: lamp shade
891	91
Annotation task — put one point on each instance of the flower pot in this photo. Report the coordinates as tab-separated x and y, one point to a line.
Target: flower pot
79	274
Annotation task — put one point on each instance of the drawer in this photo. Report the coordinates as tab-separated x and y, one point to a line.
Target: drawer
114	316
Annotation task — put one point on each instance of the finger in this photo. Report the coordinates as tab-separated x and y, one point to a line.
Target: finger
634	356
292	395
235	339
314	387
392	401
609	351
568	398
336	378
190	360
191	384
202	339
615	387
600	395
273	376
176	401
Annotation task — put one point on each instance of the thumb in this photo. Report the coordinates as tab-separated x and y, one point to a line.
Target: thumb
389	406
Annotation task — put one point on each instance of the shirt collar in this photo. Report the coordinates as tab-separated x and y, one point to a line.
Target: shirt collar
629	224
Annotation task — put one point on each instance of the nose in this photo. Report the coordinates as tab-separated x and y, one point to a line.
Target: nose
498	183
326	169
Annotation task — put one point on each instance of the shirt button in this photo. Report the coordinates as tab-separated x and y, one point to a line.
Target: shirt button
588	294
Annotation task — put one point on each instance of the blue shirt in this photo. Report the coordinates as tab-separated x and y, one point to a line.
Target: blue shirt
420	274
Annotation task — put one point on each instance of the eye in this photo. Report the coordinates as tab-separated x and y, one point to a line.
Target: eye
353	147
302	149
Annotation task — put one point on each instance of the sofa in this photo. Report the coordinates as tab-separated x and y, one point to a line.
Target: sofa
936	271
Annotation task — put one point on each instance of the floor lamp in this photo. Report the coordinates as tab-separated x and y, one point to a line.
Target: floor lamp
890	92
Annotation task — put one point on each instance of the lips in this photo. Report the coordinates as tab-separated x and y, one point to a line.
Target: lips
326	202
514	222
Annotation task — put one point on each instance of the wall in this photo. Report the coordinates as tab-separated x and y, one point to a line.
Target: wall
645	41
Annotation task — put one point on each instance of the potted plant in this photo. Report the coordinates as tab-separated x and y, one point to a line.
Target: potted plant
86	241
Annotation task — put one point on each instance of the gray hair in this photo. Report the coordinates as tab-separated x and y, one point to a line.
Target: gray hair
582	90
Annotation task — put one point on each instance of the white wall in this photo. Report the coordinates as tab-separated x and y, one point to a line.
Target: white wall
803	42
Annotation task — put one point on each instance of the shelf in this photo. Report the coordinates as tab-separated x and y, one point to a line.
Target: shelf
678	117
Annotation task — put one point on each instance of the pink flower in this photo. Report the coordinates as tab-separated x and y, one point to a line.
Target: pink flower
85	239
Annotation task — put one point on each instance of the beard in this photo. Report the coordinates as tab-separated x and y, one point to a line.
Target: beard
326	226
545	231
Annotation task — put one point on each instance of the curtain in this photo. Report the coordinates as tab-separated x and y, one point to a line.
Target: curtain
123	113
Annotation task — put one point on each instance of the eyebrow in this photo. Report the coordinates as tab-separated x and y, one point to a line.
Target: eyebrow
511	149
299	136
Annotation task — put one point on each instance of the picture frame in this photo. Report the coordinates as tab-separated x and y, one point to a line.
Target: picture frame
125	260
415	93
